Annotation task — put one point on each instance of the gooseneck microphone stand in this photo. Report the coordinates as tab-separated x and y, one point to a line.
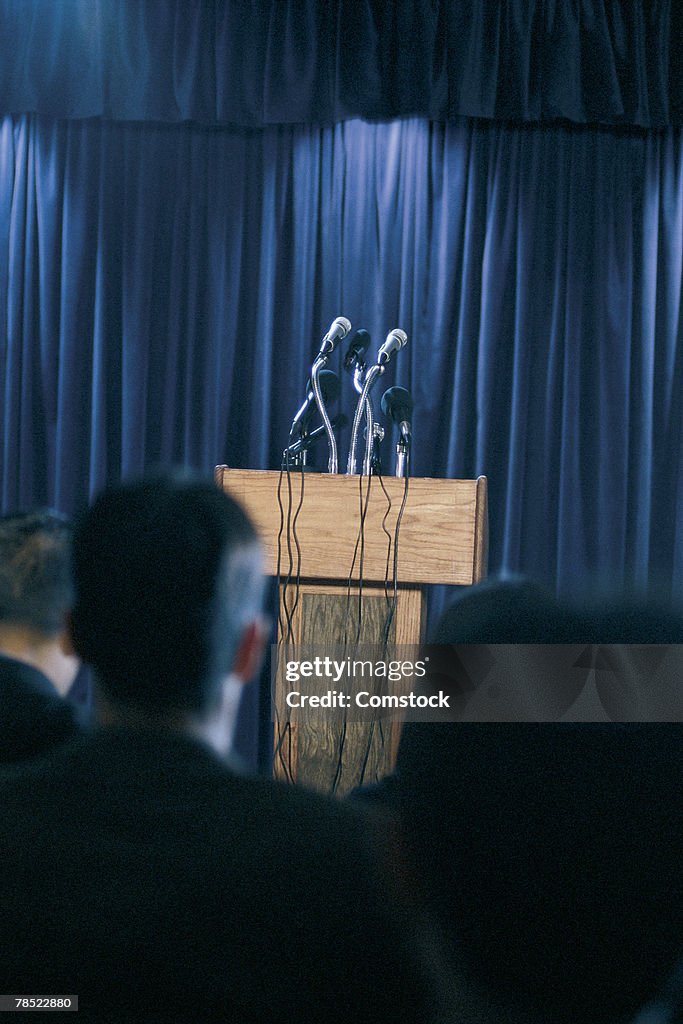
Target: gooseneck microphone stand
333	459
337	332
362	406
358	380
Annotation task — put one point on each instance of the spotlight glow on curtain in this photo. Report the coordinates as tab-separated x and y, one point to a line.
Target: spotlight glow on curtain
163	290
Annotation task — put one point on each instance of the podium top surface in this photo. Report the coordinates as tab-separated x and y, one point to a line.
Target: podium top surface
442	537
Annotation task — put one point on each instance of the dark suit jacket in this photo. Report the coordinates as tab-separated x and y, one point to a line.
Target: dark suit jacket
551	854
143	875
33	718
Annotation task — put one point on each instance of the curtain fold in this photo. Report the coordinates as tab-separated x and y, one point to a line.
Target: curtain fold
164	290
263	62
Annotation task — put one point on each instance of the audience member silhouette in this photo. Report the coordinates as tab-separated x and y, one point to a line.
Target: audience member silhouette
550	851
142	873
666	1007
37	664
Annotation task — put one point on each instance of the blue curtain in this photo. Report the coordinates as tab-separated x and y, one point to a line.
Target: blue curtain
260	62
187	200
163	290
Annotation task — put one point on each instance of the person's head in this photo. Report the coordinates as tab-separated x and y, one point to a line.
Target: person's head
544	668
168	581
511	610
36	593
494	652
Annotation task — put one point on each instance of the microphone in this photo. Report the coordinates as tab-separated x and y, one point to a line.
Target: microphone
339	328
397	405
396	339
355	363
329	387
356	351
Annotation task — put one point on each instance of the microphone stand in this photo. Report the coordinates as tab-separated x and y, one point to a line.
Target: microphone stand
402	458
370	377
333	460
376	458
369	421
295	455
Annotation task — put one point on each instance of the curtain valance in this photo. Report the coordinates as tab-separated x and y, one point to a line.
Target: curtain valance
262	62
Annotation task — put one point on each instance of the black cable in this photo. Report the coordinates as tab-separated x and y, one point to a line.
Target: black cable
295	537
389	541
279	553
290	566
386	586
360	543
284	732
390	616
363	508
389	620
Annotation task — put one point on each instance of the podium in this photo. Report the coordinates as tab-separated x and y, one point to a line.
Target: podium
443	539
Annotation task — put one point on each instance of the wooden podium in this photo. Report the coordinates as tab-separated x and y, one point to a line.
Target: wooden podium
443	538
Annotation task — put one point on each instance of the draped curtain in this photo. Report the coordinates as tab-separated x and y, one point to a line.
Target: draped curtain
167	287
188	197
260	62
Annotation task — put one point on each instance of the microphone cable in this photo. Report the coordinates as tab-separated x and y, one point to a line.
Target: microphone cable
389	544
376	720
363	504
397	529
390	614
325	387
364	501
295	537
285	468
284	730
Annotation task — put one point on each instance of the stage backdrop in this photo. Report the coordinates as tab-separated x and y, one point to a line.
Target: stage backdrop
164	290
183	211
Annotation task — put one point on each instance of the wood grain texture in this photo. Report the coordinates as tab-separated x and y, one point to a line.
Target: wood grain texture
442	538
481	531
333	755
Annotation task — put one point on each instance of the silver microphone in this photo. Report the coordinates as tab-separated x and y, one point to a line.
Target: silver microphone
339	328
396	339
